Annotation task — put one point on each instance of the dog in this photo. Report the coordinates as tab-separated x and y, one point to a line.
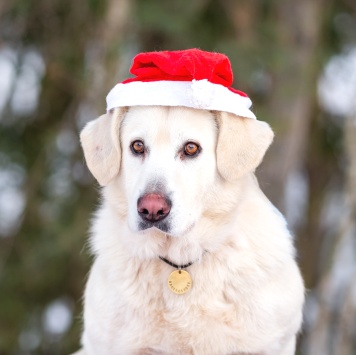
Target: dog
180	195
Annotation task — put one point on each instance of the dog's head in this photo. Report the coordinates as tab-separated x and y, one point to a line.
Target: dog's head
166	160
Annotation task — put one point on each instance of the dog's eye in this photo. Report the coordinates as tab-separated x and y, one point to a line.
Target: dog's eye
138	147
191	149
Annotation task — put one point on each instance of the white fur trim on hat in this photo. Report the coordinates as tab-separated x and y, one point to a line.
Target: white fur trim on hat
200	94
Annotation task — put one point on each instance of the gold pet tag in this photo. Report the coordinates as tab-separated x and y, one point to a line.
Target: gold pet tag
179	282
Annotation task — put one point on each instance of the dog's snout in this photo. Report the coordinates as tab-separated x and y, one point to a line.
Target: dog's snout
153	207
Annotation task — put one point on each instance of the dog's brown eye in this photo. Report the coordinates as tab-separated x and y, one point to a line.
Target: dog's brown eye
191	149
138	147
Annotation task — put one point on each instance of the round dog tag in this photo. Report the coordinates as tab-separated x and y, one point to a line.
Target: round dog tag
179	281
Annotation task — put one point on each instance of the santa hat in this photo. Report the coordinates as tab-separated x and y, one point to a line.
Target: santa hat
191	78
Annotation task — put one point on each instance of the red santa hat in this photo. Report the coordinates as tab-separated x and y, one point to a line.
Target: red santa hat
191	78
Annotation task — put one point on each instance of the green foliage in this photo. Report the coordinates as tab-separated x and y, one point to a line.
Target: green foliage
44	258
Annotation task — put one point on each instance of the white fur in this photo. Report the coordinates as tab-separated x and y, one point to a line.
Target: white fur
247	292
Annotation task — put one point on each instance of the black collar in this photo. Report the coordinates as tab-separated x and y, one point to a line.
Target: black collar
179	267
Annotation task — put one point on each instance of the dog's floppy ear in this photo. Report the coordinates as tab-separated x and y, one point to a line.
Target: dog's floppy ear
242	143
101	145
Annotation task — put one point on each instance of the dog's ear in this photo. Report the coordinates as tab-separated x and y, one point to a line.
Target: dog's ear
101	145
242	143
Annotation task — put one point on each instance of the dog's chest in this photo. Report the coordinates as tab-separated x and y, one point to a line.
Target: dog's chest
212	317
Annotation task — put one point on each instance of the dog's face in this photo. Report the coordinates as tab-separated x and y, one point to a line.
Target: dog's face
168	165
168	159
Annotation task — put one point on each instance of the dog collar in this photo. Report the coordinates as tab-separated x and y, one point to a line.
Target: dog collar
179	267
179	281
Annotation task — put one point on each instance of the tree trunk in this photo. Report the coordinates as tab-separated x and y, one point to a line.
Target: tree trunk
332	329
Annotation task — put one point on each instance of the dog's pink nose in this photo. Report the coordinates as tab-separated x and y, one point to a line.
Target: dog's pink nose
153	207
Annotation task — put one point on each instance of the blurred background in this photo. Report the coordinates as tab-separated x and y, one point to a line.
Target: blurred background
59	59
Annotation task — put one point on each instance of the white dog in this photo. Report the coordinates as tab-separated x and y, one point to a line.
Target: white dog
180	189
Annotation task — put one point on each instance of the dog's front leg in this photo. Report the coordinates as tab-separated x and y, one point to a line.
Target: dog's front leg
289	347
79	352
149	351
146	351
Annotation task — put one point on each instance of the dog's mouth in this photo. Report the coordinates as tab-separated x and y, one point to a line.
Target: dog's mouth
163	226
